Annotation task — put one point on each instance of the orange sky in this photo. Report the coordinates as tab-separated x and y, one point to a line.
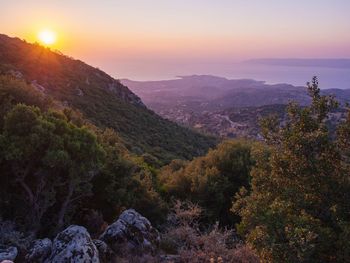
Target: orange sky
183	31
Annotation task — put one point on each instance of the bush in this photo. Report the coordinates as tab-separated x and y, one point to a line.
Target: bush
211	180
208	245
298	209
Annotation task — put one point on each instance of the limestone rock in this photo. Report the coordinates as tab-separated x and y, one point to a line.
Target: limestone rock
73	244
133	230
37	86
17	74
39	251
79	92
8	253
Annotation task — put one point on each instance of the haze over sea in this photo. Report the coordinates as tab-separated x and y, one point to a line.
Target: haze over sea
329	77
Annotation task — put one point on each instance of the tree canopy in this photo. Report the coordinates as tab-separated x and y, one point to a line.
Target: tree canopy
298	207
211	180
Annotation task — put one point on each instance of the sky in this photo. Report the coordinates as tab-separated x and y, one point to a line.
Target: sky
142	38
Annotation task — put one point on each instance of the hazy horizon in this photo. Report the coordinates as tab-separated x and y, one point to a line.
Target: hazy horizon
272	74
145	40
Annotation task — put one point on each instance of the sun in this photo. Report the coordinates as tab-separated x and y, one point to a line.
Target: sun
47	37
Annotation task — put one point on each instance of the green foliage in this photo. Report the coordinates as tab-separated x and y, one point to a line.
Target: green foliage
13	91
123	183
45	162
212	180
54	165
142	130
298	209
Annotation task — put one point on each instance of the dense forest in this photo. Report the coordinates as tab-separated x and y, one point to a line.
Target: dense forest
281	199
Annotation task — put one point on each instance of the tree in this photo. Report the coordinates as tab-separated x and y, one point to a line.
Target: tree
14	91
211	180
124	181
297	210
47	164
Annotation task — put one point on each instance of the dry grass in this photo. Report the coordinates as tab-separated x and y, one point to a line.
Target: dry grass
214	245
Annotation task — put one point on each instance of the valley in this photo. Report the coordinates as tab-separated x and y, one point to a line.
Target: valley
224	107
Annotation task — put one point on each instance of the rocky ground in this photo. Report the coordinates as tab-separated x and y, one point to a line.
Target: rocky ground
241	122
130	234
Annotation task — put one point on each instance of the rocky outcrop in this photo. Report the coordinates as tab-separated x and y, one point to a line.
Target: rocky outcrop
133	231
8	253
124	93
79	92
38	87
131	235
17	74
39	250
74	244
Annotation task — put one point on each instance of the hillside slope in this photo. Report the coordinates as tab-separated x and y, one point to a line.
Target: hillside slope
101	98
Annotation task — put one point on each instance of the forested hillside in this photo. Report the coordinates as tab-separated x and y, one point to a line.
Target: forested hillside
101	99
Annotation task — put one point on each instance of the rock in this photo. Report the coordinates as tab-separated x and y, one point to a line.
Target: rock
8	253
39	250
37	86
132	230
17	74
104	251
73	244
79	92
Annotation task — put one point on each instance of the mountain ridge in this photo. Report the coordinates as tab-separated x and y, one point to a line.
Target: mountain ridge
102	99
43	76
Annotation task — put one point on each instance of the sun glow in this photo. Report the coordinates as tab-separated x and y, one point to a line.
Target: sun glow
47	37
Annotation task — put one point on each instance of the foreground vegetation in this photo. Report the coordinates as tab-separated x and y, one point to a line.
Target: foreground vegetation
298	207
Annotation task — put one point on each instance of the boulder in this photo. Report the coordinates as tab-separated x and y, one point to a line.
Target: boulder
133	231
39	250
73	244
8	253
